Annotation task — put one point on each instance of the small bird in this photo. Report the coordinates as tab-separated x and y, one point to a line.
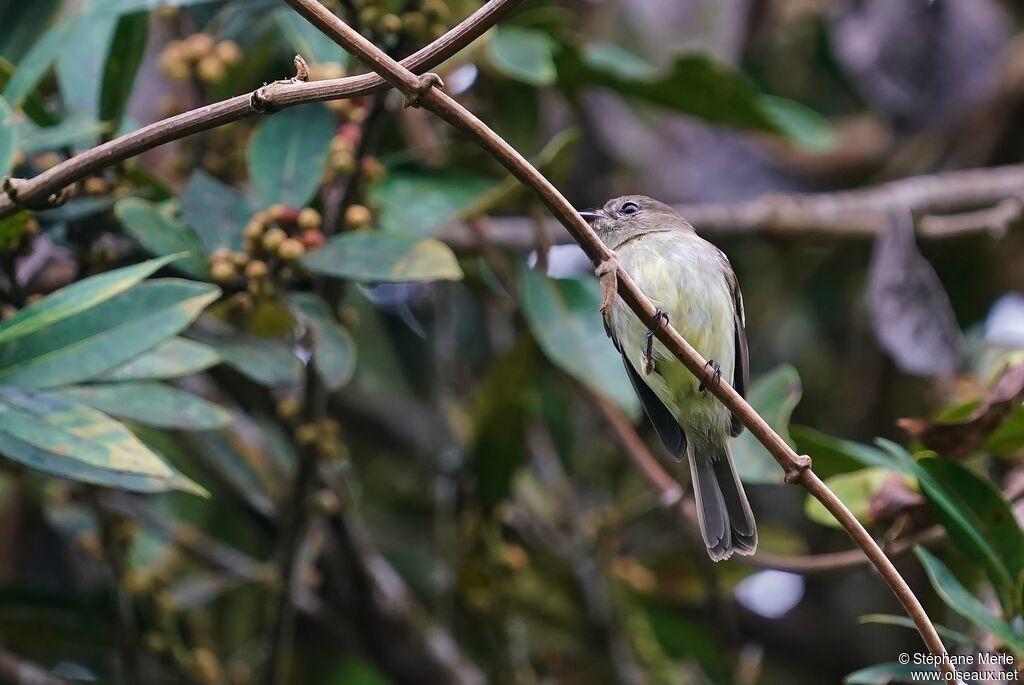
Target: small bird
692	284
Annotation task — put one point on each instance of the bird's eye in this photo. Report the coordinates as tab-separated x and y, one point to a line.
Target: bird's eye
629	208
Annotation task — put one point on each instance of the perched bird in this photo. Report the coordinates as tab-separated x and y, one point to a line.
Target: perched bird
692	284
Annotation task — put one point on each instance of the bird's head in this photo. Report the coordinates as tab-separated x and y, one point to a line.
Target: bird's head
631	215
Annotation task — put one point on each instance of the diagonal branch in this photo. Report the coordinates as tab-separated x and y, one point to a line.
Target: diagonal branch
421	91
38	190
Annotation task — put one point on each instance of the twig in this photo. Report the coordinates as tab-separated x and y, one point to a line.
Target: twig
18	671
949	205
422	91
274	97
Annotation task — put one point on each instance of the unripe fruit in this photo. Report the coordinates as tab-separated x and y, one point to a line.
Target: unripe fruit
239	259
273	239
368	15
307	434
228	52
414	23
284	214
198	45
288	408
373	169
357	115
253	230
357	216
223	272
313	239
291	249
256	269
211	70
221	254
309	218
389	24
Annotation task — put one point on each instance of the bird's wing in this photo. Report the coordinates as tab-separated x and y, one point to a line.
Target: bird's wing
741	369
668	429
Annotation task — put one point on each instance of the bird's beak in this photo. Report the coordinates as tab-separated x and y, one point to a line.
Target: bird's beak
591	215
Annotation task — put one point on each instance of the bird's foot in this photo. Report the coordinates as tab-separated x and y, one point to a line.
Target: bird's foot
660	318
607	271
716	378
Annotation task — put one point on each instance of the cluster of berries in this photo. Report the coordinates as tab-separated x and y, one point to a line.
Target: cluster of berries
199	57
432	20
274	239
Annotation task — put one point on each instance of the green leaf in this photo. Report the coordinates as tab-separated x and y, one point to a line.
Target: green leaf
856	490
377	257
12	228
1009	437
904	622
801	124
150	403
81	60
95	7
288	153
523	54
884	674
957	597
979	503
774	395
79	348
173	358
334	352
77	298
694	84
268	362
833	456
123	60
37	61
73	131
307	40
563	316
64	438
417	203
8	142
216	211
161	234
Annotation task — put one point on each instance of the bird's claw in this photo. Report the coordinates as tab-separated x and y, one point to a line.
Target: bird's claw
717	378
607	272
660	318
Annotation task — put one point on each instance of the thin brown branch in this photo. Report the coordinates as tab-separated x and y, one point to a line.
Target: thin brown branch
38	190
423	92
949	205
16	671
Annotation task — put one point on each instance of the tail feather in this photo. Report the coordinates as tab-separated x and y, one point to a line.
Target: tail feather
724	515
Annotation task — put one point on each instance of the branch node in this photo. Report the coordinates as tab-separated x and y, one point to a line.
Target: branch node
607	271
259	101
13	186
424	82
301	69
796	471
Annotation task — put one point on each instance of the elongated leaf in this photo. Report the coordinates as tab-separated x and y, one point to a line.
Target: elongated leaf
563	316
884	674
150	403
162	234
833	455
523	54
307	40
855	489
91	7
73	131
216	211
58	436
904	622
774	395
288	154
416	203
384	258
174	358
268	362
81	60
801	124
78	348
8	142
124	56
960	600
979	502
36	63
77	298
334	352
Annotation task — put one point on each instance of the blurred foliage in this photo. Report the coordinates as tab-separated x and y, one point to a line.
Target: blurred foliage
254	359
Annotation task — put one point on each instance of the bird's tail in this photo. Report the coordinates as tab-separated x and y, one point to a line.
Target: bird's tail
726	522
